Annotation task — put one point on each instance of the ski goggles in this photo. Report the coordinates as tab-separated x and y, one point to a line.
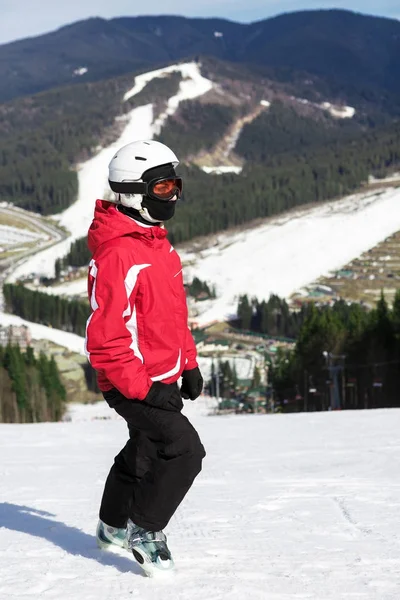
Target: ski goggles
165	188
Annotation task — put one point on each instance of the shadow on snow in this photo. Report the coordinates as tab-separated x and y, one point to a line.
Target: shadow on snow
39	523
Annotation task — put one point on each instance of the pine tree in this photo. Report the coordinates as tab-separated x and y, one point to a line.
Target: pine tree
256	381
15	366
396	314
30	390
245	313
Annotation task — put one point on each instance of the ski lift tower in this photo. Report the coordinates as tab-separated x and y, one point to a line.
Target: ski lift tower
335	365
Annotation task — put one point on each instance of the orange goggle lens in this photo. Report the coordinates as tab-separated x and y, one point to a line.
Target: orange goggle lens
166	189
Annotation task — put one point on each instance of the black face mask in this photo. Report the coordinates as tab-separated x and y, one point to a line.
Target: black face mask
159	209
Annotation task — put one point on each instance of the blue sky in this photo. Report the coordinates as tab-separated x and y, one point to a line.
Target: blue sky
24	18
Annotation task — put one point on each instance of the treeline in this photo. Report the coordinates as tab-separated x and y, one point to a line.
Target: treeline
61	313
282	129
345	357
270	317
31	390
64	313
200	289
44	136
223	380
196	126
79	255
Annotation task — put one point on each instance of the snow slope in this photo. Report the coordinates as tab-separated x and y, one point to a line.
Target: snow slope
292	250
287	507
92	175
192	86
222	170
11	236
287	252
337	111
73	342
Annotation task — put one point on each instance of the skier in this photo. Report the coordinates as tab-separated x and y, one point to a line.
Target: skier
138	341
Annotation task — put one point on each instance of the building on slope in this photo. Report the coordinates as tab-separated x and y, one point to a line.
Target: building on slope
15	334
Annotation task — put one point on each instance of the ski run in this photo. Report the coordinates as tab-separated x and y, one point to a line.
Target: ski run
287	507
141	124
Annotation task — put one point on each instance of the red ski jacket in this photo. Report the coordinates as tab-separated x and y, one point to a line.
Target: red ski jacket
137	332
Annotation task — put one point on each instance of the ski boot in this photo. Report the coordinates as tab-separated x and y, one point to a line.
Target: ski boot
149	549
111	538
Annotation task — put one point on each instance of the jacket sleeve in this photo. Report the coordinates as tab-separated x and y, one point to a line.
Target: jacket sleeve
108	339
191	352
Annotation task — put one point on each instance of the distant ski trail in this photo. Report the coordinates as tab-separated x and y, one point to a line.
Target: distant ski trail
141	123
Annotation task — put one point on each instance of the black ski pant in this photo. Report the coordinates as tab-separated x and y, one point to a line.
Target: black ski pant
156	468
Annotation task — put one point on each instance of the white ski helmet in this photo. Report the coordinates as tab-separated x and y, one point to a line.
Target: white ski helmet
128	166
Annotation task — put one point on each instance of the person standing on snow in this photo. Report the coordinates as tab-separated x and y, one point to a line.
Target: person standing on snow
138	341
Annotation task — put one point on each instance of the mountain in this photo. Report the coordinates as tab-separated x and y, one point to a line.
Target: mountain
214	114
338	52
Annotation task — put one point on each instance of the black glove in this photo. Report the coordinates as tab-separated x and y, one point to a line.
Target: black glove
192	384
164	395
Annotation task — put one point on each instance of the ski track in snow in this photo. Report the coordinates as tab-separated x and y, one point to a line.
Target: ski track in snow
287	507
92	175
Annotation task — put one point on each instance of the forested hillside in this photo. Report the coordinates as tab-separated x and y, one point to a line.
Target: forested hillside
43	137
78	256
345	357
284	181
61	313
282	129
301	149
197	127
30	387
267	113
331	164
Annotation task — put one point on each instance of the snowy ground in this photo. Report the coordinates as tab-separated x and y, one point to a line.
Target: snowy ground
287	507
77	287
